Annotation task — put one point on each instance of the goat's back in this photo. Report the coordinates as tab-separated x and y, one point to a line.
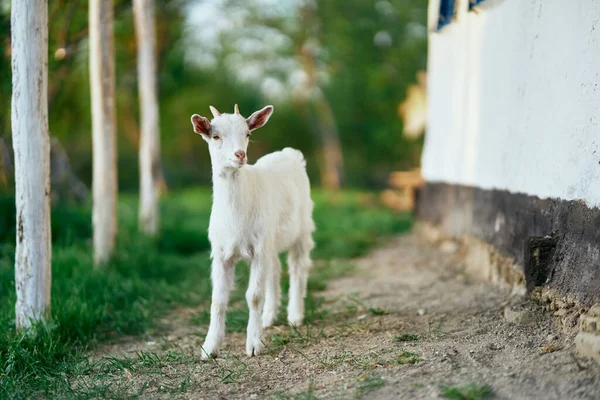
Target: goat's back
285	170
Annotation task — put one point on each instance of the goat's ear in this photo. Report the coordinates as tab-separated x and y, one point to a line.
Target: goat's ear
259	118
201	124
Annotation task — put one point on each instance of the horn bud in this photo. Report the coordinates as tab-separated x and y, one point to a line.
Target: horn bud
214	111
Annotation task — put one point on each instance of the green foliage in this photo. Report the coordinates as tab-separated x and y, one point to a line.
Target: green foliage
145	278
366	83
369	81
472	391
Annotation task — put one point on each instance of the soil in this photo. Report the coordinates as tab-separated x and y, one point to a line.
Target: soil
403	325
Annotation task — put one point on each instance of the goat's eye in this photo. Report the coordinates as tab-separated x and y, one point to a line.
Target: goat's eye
247	135
216	137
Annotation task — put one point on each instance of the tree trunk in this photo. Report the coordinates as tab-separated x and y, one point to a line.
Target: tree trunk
332	169
31	143
332	159
102	86
150	174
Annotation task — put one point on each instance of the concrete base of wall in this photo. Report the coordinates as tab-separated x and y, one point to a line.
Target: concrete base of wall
549	249
518	238
482	260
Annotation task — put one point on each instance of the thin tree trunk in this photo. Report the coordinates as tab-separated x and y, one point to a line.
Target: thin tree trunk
31	143
102	86
332	159
149	157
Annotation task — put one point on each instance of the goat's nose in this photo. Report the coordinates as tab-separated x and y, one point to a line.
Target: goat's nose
240	155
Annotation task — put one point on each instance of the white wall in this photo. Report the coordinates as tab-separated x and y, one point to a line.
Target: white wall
514	99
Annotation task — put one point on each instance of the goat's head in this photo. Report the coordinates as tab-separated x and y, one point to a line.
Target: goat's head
227	135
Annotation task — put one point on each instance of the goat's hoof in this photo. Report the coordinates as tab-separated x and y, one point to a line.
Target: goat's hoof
296	320
209	351
253	347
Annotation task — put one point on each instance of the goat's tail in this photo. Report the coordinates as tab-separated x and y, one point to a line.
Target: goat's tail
295	154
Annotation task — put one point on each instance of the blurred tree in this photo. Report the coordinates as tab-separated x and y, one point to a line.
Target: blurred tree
102	88
150	170
373	50
332	160
31	144
346	66
365	53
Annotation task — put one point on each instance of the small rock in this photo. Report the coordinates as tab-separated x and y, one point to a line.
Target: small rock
150	344
421	312
594	311
590	324
448	246
561	304
551	337
171	338
522	317
570	320
561	312
494	346
253	396
588	345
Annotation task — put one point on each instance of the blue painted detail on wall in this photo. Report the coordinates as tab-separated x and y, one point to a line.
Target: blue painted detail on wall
446	13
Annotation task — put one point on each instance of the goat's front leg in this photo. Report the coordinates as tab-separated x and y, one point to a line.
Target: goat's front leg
255	297
222	276
272	293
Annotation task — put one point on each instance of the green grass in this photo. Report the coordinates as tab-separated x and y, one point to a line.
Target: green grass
472	391
377	311
407	337
407	357
145	279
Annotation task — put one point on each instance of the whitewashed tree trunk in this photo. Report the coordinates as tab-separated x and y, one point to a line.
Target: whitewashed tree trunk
149	136
31	143
104	140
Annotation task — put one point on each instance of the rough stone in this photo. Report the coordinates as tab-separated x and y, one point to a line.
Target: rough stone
561	312
588	345
594	311
589	324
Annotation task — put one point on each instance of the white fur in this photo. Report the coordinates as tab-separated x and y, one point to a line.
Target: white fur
258	212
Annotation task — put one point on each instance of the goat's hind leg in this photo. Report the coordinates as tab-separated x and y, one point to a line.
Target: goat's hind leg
222	276
299	263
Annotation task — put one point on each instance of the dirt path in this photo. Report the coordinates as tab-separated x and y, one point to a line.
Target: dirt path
404	325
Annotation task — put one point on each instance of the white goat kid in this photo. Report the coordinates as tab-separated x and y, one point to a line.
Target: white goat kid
258	212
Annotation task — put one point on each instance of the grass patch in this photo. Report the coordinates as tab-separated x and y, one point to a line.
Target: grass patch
377	311
472	391
407	337
407	357
145	279
436	330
